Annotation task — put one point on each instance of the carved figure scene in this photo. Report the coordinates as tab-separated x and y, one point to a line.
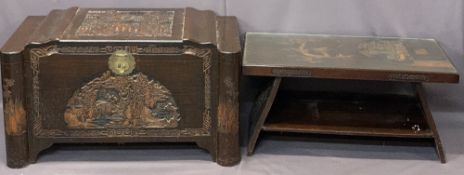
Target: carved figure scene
316	51
389	49
320	50
107	23
122	102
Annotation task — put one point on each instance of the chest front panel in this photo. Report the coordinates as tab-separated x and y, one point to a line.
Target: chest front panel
147	90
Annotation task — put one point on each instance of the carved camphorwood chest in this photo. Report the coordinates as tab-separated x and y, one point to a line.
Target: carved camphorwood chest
122	76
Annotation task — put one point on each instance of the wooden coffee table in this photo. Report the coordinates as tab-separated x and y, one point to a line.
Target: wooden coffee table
345	85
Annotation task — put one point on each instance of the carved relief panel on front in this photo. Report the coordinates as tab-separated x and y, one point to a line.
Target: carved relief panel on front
120	91
119	99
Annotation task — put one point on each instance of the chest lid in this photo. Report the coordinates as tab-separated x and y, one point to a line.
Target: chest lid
162	25
347	57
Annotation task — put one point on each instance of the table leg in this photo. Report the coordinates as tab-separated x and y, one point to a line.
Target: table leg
260	112
430	122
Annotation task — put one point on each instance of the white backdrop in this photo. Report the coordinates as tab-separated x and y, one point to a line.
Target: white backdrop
442	20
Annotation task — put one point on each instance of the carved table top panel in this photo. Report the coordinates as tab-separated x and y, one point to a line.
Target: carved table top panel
400	58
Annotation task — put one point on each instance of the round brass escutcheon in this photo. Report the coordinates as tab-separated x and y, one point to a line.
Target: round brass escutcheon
121	62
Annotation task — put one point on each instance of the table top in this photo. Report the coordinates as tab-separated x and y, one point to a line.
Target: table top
347	57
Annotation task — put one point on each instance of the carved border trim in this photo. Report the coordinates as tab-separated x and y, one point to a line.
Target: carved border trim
37	53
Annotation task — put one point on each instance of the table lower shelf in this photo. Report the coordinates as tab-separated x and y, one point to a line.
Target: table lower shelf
344	130
349	113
